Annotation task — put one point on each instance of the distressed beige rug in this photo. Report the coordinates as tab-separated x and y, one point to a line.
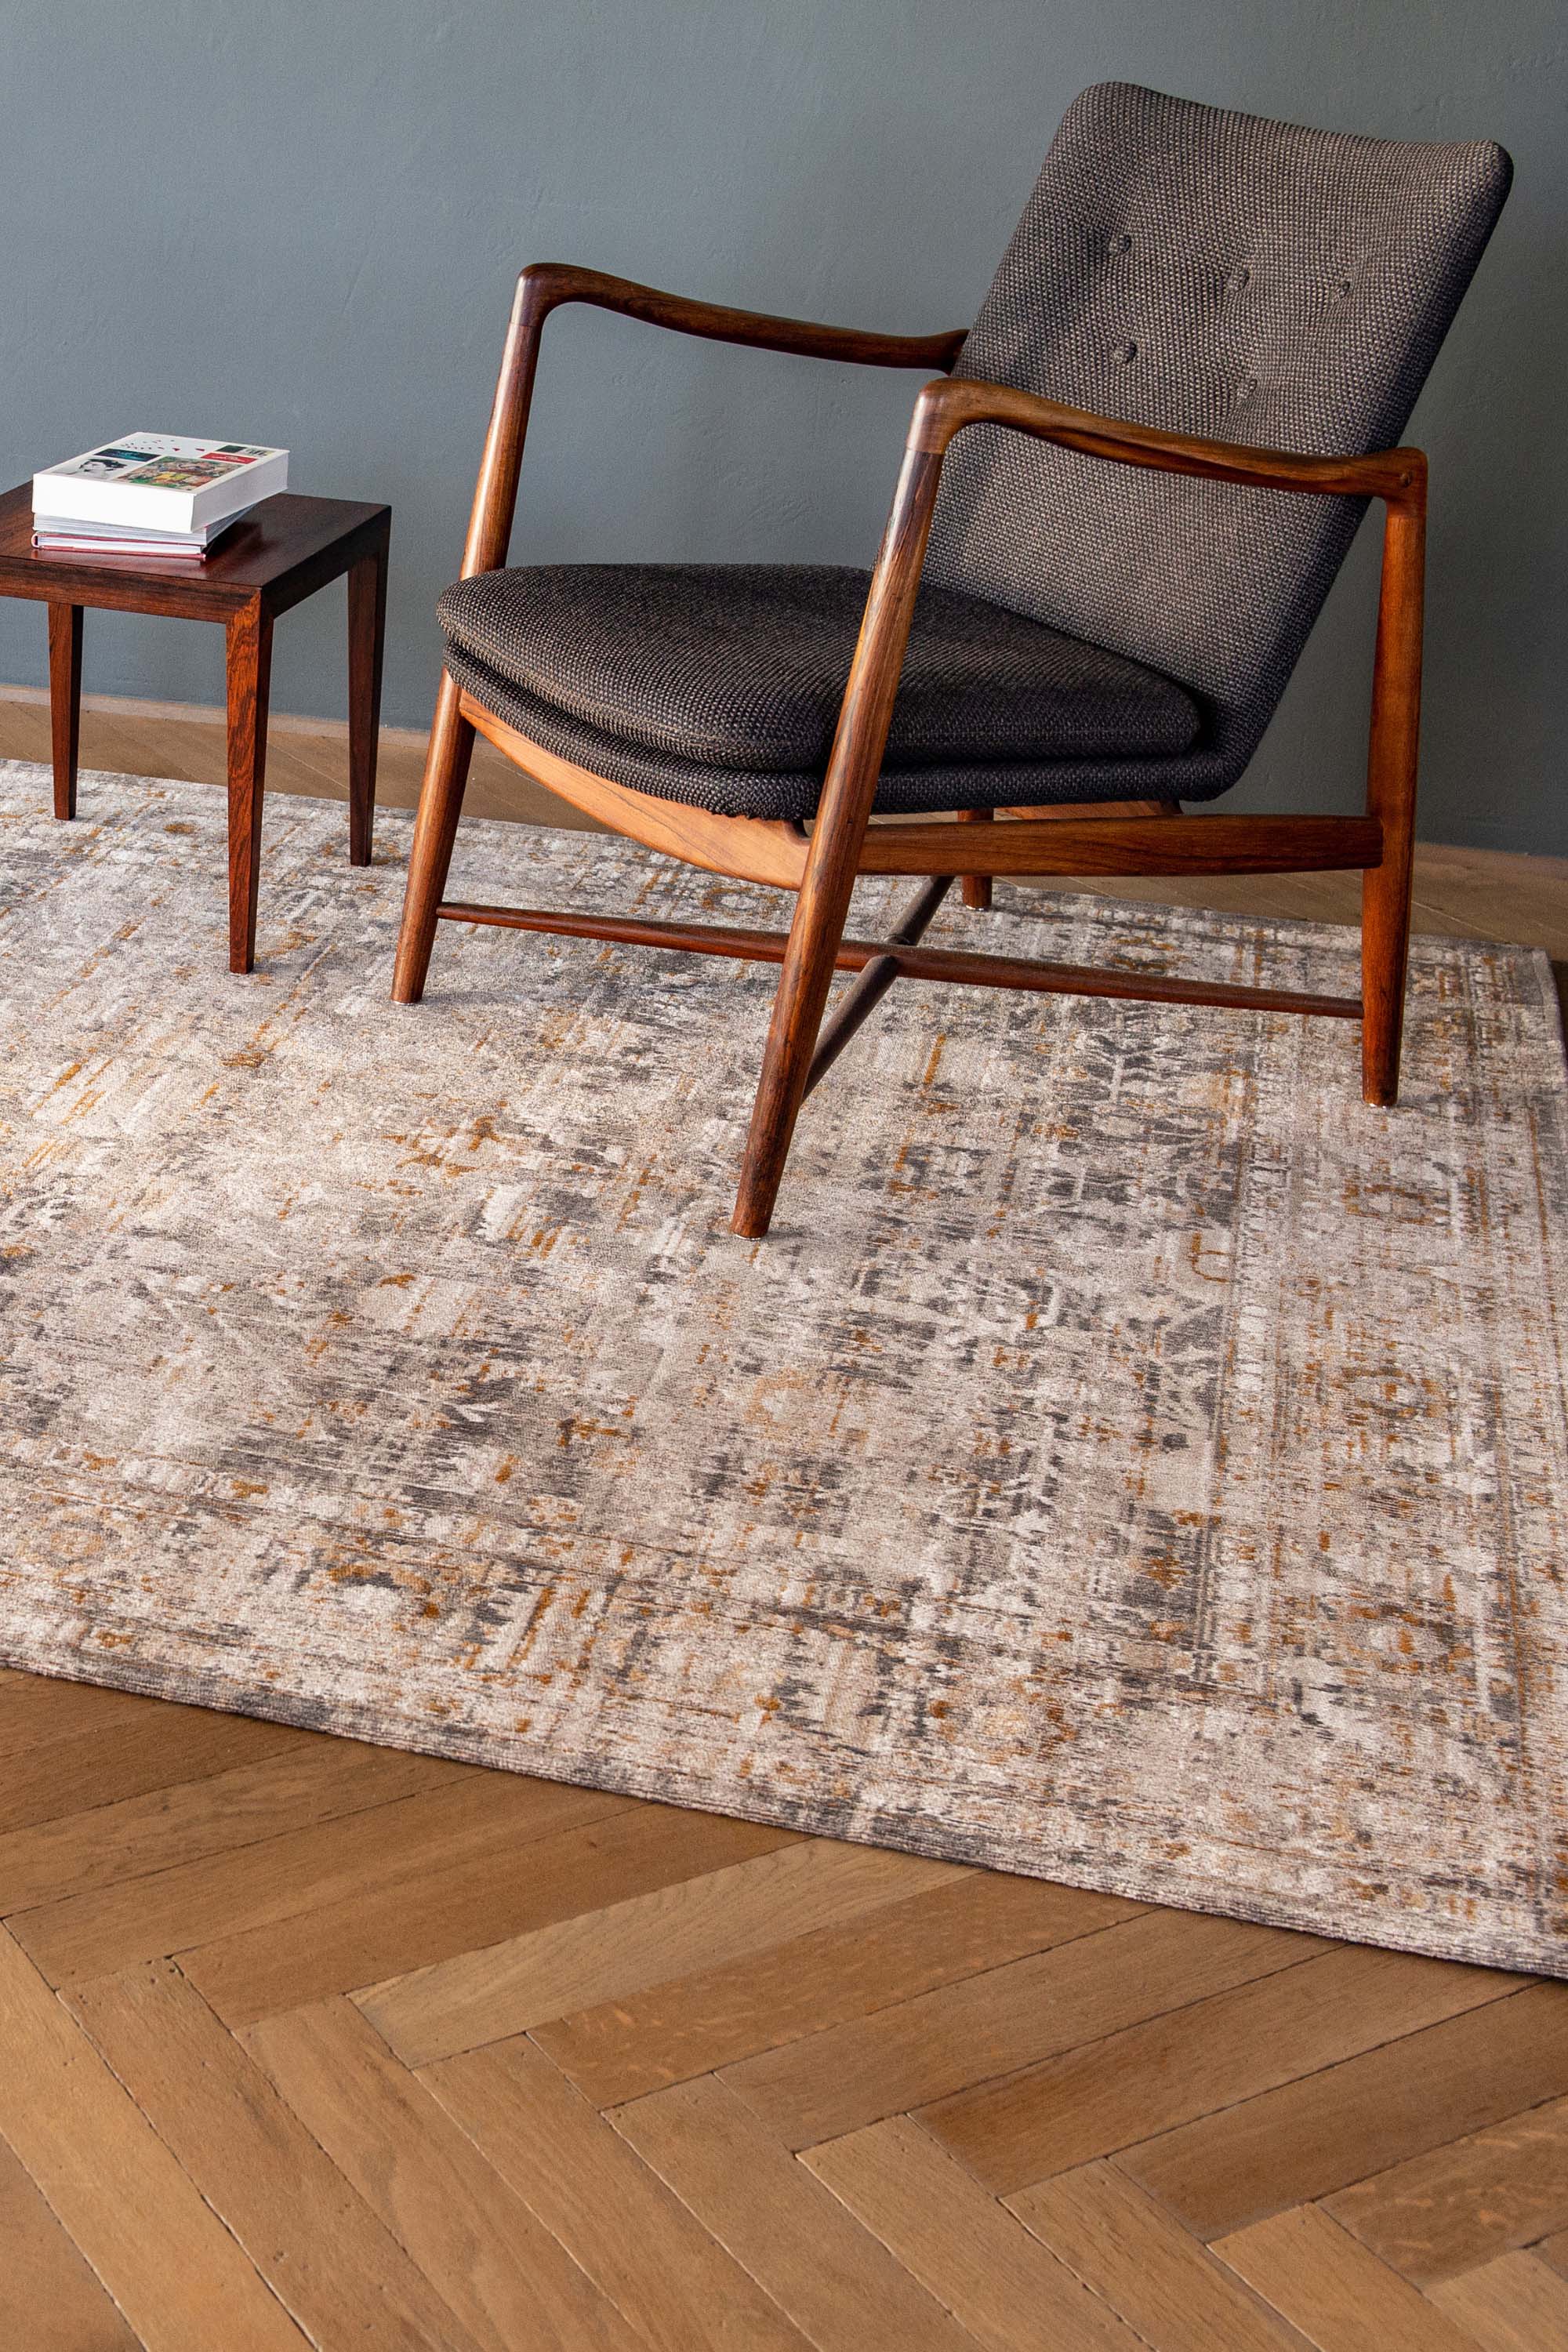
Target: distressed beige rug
1131	1460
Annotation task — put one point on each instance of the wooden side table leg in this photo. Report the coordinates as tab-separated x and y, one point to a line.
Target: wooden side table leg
367	630
64	701
249	671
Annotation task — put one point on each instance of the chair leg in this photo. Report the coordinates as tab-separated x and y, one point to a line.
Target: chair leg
804	983
434	830
838	837
1384	958
1391	798
976	887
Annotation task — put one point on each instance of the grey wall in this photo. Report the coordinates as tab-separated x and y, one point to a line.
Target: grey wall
300	223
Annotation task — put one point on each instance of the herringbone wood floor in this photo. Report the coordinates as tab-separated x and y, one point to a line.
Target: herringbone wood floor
303	2043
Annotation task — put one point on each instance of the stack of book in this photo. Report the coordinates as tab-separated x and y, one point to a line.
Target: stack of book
153	494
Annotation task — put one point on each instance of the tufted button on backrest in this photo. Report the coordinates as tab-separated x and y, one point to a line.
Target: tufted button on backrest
1122	292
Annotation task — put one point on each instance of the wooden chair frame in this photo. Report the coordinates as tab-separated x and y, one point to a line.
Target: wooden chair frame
822	864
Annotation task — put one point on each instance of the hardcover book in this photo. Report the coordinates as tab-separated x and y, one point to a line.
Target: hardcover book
159	482
59	534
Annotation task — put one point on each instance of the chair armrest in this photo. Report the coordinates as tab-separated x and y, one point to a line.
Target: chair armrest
943	409
546	285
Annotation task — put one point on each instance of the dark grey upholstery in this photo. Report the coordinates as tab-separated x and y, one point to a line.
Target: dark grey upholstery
741	668
1087	631
1220	275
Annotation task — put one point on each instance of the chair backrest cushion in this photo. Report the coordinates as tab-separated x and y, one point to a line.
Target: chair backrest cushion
1214	274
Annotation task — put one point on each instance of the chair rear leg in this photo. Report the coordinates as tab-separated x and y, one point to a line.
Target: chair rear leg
977	887
1391	793
1384	960
434	830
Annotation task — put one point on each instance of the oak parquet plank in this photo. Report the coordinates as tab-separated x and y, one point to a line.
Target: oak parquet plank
1152	2076
514	2286
48	1777
838	2282
1340	2296
1166	2286
611	1849
1456	2207
644	2042
395	1846
1498	893
1489	894
35	1708
312	1779
1327	2130
127	735
944	2040
323	2252
624	1948
654	2260
174	2269
1516	2304
963	2246
49	2299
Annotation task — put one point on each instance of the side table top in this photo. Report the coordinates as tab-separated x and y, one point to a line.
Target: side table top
287	546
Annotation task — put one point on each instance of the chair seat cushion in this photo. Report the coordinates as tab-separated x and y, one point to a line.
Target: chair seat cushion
742	666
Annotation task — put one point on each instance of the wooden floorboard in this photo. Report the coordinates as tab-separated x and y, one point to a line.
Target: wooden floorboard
304	2042
508	2280
324	2254
1109	2094
49	2300
1099	1979
963	2244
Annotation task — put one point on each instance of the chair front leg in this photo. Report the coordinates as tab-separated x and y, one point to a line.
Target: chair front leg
843	815
804	982
434	830
1391	795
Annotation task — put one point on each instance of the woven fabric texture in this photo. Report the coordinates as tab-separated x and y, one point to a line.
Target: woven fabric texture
744	665
1215	273
760	793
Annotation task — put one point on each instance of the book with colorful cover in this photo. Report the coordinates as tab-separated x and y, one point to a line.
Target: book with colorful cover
159	482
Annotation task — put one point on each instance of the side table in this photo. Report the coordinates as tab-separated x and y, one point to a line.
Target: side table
278	555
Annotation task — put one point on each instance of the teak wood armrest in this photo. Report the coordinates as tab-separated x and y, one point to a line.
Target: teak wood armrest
945	407
545	284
